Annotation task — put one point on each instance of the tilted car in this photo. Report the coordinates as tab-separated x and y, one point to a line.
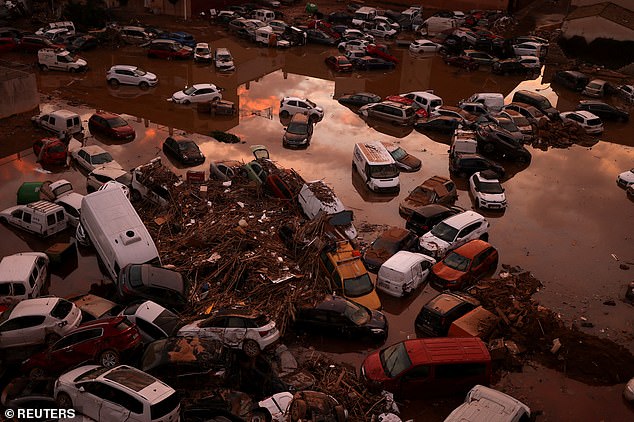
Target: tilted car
183	150
464	265
435	190
604	110
359	99
591	123
153	321
387	244
424	218
453	232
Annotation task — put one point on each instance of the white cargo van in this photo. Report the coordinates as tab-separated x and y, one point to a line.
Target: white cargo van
267	36
403	272
22	276
42	217
376	167
436	24
316	197
493	101
264	15
59	121
116	231
486	404
362	15
60	59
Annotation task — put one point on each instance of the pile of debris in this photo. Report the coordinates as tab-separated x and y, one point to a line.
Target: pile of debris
528	330
556	134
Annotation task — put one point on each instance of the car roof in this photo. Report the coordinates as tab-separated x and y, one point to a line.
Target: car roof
63	113
238	312
424	94
38	306
18	267
124	67
463	219
149	310
447	301
136	382
446	350
394	234
201	86
593	102
106	114
472	248
430	209
332	303
112	172
202	45
586	114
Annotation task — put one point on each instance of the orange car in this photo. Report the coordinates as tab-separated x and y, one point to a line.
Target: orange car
464	265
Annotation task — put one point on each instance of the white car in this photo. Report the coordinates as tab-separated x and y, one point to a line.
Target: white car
121	393
37	321
591	123
153	321
130	75
528	49
487	191
113	184
424	99
384	19
453	232
279	27
626	92
198	93
223	60
236	328
71	202
101	175
292	105
466	35
530	62
424	46
352	45
626	179
202	52
383	30
355	34
93	156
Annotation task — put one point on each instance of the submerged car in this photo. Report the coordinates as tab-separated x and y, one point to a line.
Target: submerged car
202	53
435	190
436	316
487	191
453	232
404	160
387	244
144	281
298	132
359	99
591	123
464	265
111	124
424	218
185	151
626	179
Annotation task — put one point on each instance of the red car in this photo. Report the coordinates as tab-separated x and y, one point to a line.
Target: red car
7	44
380	50
51	151
324	27
464	265
33	43
168	49
110	124
339	63
420	112
463	62
103	341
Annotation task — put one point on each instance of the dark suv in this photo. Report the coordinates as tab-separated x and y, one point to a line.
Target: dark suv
509	66
144	281
496	141
603	110
437	315
571	79
424	218
538	101
464	165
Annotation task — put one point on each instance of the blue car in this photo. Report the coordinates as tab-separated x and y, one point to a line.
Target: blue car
184	38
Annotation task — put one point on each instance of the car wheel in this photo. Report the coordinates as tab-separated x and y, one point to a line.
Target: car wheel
113	82
144	85
109	358
485	237
64	401
44	68
284	114
52	338
36	373
251	348
477	204
186	102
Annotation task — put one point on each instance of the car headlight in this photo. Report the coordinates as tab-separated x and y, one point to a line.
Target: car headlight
185	156
377	331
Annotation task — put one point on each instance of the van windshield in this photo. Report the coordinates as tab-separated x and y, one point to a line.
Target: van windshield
357	286
445	232
385	171
395	359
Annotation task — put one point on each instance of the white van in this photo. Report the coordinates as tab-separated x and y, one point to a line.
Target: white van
267	36
116	231
316	197
22	276
486	404
42	217
60	59
403	272
463	142
59	121
376	166
436	24
493	101
362	15
264	15
425	99
68	25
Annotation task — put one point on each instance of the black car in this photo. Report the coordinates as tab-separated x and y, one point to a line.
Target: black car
359	99
144	281
81	43
496	141
373	63
571	79
319	37
424	218
339	17
184	150
437	315
338	316
604	110
387	244
509	66
445	124
464	165
298	132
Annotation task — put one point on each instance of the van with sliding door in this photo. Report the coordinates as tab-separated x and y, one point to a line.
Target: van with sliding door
376	167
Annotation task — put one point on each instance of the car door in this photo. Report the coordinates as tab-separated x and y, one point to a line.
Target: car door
213	328
235	332
89	398
415	381
65	353
481	263
120	406
11	333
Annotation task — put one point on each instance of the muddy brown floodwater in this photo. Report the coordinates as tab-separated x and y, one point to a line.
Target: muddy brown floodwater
566	219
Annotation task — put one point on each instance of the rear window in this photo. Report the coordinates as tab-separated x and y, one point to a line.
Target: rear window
164	407
594	122
61	309
168	322
134	276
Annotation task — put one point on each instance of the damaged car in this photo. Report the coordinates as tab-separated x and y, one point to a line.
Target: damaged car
387	244
435	190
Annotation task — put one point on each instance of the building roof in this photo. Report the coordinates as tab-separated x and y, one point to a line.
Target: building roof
606	10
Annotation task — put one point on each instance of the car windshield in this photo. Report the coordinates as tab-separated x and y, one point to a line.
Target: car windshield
357	313
125	179
395	359
544	104
184	146
491	187
61	309
140	72
117	122
68	58
457	262
399	153
357	286
189	91
134	276
445	232
521	121
297	128
594	85
312	104
508	125
385	171
202	51
224	57
102	158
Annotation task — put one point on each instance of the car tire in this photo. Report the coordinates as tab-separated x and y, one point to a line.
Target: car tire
186	102
484	237
64	401
51	338
109	358
37	372
44	68
144	85
251	348
113	82
284	114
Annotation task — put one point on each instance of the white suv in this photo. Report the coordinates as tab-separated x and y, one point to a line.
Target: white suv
37	321
199	93
453	232
130	75
292	105
122	393
487	191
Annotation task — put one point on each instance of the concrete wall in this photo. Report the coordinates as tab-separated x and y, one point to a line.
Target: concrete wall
18	90
627	4
595	27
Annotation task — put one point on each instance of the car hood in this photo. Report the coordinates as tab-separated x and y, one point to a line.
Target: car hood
179	95
432	243
376	257
294	137
410	162
493	197
377	321
373	369
124	130
370	301
446	273
417	200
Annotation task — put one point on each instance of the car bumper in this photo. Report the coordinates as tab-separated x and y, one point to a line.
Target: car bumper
493	205
623	183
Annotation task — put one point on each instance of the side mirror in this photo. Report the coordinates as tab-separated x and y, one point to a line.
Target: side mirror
82	389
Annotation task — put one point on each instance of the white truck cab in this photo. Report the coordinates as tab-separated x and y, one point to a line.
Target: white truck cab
376	166
60	59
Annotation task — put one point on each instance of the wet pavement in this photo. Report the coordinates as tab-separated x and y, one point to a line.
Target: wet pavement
565	220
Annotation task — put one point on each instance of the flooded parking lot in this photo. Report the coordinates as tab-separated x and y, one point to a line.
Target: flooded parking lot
567	221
